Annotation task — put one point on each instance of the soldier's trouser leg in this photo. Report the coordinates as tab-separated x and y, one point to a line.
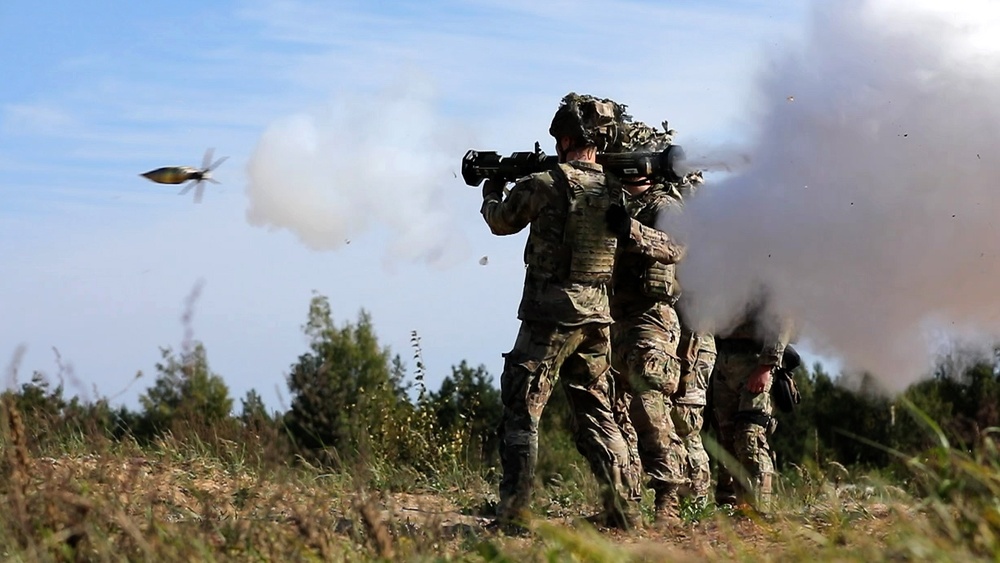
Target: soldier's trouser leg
646	356
622	401
754	453
743	420
660	449
531	369
724	405
688	420
589	382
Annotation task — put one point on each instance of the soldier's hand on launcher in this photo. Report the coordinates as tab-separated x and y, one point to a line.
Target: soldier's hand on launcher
618	220
759	379
491	187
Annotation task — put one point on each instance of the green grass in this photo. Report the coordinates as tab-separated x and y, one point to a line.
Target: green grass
202	496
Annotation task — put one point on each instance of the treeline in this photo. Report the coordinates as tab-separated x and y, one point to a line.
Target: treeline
852	423
355	403
352	402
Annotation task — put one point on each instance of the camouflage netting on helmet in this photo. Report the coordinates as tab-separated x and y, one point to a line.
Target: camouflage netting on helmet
605	124
588	121
636	136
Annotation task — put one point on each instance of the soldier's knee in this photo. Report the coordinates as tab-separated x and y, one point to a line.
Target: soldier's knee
756	421
752	447
517	371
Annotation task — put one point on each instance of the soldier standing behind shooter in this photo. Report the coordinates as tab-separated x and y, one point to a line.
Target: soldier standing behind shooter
646	334
564	311
683	455
697	353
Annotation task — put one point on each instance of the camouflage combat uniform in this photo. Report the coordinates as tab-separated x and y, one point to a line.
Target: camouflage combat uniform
697	354
744	419
564	332
644	342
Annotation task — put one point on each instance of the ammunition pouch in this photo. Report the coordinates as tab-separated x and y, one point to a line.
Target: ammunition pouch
658	281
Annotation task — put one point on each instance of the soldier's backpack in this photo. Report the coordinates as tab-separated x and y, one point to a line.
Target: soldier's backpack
783	391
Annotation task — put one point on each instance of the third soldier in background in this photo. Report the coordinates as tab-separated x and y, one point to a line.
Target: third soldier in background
748	356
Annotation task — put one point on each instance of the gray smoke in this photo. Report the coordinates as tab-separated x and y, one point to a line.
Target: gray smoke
383	161
870	198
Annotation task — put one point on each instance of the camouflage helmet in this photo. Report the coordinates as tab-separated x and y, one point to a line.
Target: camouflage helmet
636	136
588	121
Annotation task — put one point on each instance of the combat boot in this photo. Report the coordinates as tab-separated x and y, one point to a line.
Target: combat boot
621	514
756	502
725	491
667	506
762	494
512	514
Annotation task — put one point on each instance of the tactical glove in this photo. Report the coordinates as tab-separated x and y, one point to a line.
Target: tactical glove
493	187
618	220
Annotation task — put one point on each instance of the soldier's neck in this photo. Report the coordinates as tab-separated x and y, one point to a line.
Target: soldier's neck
588	154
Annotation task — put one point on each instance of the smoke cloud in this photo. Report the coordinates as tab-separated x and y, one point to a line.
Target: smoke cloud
869	203
360	163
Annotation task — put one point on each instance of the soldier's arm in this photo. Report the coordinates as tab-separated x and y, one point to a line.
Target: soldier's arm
522	205
654	243
774	347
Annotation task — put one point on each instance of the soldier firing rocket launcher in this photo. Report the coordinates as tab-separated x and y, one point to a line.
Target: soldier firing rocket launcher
481	165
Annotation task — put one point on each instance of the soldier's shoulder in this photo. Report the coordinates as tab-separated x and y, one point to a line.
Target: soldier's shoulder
537	182
663	195
543	177
581	167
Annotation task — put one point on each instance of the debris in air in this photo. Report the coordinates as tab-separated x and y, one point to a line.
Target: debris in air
484	261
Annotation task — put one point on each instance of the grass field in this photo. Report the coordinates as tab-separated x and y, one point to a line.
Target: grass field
95	499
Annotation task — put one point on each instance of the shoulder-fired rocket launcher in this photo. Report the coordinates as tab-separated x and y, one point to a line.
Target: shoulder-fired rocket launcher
481	165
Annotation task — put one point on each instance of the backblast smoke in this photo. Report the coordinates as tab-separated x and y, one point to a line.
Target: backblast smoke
332	174
870	198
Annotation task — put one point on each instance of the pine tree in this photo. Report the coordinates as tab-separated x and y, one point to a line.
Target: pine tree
346	393
185	392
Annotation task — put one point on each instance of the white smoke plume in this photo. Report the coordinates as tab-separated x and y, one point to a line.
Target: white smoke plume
870	201
359	163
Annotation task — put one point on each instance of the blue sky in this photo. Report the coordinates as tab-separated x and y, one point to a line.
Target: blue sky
98	261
